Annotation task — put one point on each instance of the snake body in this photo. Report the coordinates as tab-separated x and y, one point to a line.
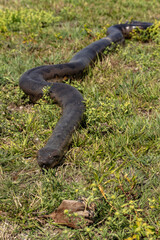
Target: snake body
70	99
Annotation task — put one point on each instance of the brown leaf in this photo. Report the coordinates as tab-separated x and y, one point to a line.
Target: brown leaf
74	214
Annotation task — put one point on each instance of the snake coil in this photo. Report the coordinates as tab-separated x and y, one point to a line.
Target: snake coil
70	99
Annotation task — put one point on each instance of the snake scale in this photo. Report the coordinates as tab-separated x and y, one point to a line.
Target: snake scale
70	99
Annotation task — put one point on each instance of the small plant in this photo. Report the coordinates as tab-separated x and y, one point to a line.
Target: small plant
150	34
25	20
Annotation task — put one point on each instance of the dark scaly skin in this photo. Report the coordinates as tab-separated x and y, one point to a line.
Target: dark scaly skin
34	80
73	107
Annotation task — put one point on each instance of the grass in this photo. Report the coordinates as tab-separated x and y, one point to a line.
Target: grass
113	159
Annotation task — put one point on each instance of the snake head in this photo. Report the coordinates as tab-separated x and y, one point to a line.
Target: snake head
48	158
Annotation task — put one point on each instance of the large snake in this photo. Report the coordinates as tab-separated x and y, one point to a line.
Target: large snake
34	80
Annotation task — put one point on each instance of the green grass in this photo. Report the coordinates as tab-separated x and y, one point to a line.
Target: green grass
113	159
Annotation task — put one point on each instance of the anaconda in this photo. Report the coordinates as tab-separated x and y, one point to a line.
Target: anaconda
70	99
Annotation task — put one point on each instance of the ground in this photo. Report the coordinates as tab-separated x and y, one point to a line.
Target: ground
113	159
